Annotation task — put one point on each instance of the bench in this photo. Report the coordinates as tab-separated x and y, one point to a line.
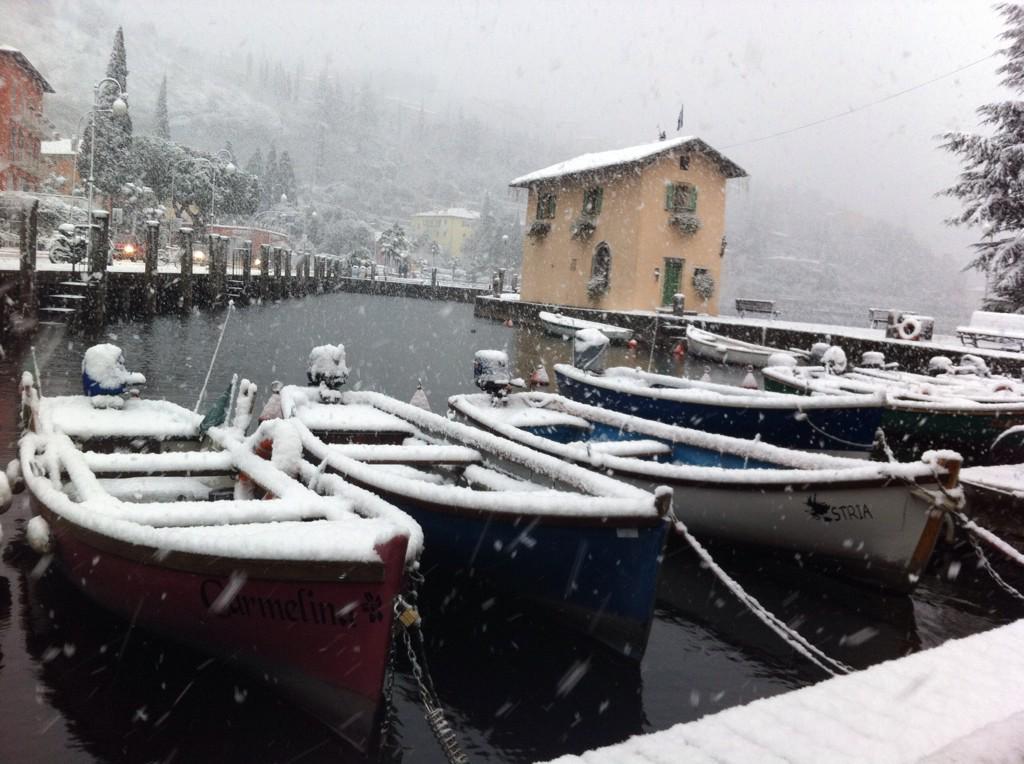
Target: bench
879	318
1003	329
764	307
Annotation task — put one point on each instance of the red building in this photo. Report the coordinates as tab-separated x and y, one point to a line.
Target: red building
21	121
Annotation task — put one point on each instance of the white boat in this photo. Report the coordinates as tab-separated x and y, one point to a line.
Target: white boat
561	325
717	347
871	521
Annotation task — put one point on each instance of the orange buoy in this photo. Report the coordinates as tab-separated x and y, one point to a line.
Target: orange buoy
679	350
632	344
508	323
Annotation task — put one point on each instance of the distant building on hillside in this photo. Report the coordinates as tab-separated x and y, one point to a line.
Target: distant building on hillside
628	229
449	228
58	161
22	125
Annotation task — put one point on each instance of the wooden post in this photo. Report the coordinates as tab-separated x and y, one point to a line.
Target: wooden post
264	269
100	233
222	266
433	277
28	232
186	269
152	250
211	272
247	261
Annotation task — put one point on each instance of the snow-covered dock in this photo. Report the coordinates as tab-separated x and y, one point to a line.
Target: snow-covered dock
961	701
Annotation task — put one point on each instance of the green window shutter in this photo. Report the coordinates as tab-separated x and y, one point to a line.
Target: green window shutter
670	195
693	198
598	197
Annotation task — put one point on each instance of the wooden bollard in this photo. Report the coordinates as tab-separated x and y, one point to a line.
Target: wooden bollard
100	243
28	232
149	275
186	269
247	261
264	271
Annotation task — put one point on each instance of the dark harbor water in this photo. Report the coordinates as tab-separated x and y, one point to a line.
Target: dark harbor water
77	685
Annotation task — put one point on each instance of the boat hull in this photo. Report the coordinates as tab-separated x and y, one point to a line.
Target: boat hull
726	352
561	326
600	578
323	642
835	429
911	431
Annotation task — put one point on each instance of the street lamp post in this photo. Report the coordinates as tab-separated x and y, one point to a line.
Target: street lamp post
118	108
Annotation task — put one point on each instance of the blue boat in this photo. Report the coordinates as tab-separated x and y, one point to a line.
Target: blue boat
874	522
583	545
838	424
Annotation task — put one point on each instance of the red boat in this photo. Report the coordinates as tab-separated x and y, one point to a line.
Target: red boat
297	587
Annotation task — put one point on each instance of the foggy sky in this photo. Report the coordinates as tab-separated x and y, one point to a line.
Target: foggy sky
599	75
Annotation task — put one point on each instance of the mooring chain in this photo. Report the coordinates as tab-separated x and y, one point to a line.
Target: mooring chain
408	619
987	565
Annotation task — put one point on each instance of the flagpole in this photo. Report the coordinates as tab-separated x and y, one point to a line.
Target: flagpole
231	306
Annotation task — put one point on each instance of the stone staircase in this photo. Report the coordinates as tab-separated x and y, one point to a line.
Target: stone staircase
235	289
63	304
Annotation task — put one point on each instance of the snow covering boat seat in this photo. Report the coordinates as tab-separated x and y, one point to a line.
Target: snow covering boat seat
353	422
412	454
138	419
528	417
634	448
168	464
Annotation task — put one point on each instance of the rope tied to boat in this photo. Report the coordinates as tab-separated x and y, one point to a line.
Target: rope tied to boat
974	530
791	636
802	416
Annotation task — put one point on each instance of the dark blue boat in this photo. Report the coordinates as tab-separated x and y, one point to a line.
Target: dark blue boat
837	424
584	546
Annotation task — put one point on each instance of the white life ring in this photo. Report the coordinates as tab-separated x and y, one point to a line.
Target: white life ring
910	328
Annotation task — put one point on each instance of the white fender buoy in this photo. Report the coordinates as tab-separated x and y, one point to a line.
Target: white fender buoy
749	382
539	377
6	495
419	398
38	533
14	476
706	376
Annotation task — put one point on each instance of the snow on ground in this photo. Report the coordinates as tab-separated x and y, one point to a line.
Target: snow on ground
940	705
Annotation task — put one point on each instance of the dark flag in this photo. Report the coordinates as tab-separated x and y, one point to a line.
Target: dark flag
679	120
218	412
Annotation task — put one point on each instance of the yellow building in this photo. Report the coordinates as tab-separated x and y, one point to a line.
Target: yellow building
628	229
449	228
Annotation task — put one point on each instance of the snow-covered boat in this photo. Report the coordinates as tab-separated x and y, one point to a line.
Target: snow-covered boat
872	521
561	325
582	545
920	413
221	549
717	347
837	424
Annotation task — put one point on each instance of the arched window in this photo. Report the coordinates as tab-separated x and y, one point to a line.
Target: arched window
600	271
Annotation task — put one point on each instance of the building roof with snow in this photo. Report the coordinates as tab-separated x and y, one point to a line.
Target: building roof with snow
60	147
452	212
24	63
621	158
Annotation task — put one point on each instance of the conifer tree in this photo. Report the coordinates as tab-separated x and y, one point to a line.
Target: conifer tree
112	132
286	175
991	185
163	124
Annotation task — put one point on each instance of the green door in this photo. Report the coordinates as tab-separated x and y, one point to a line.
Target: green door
670	284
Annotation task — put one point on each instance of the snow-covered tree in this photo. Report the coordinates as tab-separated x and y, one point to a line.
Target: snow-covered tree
991	185
286	175
255	164
162	127
111	132
394	246
271	183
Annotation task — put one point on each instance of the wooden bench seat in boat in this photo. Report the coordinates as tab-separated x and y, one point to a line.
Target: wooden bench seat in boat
529	417
634	448
416	454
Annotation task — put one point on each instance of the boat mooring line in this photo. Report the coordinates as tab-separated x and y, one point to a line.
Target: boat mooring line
209	371
831	666
807	418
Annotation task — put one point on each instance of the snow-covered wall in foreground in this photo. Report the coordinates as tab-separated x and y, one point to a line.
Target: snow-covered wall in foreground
931	706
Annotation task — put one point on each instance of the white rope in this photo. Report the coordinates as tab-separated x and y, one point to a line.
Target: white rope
202	393
829	665
983	559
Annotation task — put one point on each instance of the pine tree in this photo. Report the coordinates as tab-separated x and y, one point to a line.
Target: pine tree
991	185
163	124
271	185
286	175
255	164
112	132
